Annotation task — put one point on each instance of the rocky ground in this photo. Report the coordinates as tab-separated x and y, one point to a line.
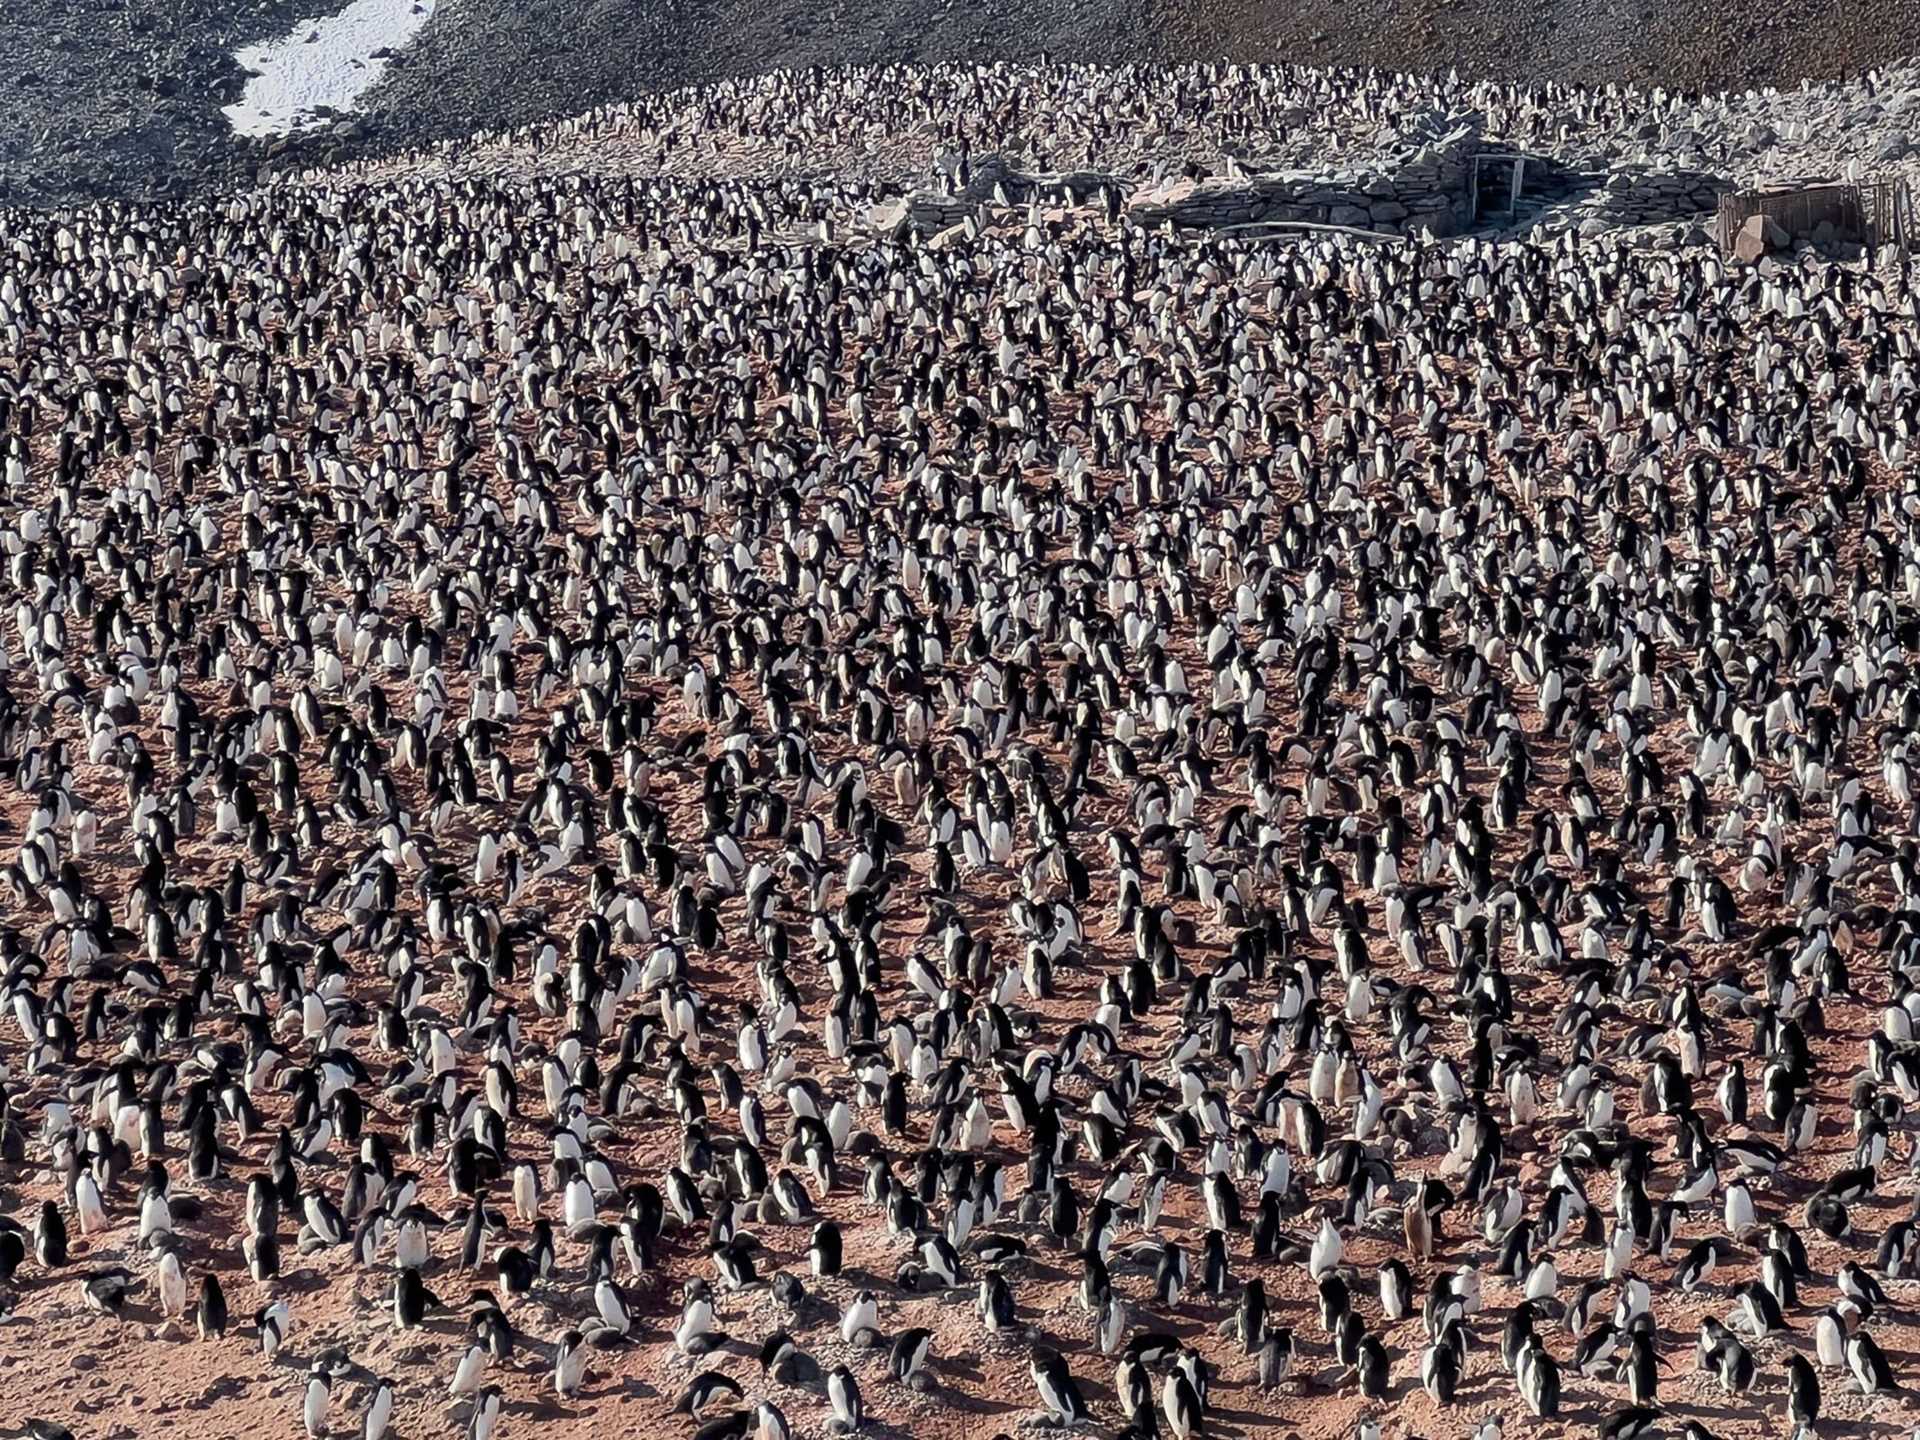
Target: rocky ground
1597	42
103	98
117	98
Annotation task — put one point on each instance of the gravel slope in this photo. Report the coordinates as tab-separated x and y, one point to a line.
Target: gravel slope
1692	45
122	97
101	98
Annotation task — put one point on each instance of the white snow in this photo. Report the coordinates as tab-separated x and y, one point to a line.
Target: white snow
321	62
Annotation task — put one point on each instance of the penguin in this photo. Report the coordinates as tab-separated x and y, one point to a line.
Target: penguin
483	1422
1181	1405
105	1291
1276	1357
823	1250
569	1365
273	1323
1440	1373
1761	1310
1697	1267
1372	1369
908	1356
411	1300
1830	1333
1803	1393
1396	1289
1869	1365
1539	1379
468	1370
1630	1423
50	1237
317	1401
210	1312
379	1412
1058	1392
859	1322
704	1389
843	1392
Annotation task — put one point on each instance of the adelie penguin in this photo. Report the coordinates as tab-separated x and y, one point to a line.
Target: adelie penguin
273	1323
1276	1357
707	1388
823	1251
379	1412
1372	1368
210	1313
1181	1406
106	1291
412	1300
1629	1424
316	1403
1868	1363
50	1237
1803	1394
1059	1393
843	1393
907	1359
484	1420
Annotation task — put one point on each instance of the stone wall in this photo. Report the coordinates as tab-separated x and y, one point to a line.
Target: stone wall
1425	190
1637	196
1432	192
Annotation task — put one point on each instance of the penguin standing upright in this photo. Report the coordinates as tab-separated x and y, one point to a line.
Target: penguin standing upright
1180	1404
1803	1393
908	1357
1058	1392
843	1393
316	1403
569	1365
379	1412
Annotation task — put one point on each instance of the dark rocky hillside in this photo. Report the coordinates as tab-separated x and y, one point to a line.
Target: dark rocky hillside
1687	44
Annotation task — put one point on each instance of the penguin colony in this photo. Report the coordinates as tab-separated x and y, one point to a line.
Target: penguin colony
617	817
915	126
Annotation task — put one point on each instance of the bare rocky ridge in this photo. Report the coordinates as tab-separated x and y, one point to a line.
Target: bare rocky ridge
123	99
1698	47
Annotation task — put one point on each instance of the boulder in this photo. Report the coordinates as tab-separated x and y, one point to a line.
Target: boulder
1163	196
890	219
1757	237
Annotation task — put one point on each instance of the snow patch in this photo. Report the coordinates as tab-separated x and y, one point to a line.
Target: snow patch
327	63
